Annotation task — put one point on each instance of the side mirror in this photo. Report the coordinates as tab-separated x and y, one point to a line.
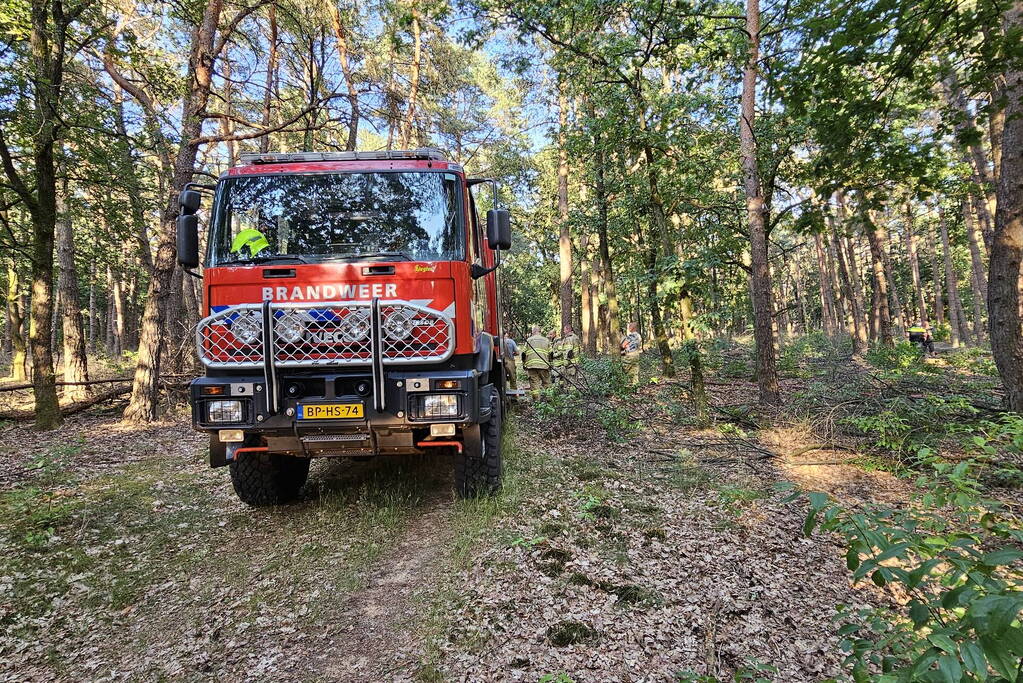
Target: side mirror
188	202
499	229
188	240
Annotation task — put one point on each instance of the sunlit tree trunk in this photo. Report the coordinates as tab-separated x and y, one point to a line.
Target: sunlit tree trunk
76	365
15	325
1005	317
978	279
142	406
760	280
564	236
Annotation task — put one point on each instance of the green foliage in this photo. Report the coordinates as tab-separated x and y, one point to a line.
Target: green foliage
566	411
973	359
903	357
907	423
957	556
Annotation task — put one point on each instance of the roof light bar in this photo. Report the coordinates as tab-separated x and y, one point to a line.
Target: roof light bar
423	153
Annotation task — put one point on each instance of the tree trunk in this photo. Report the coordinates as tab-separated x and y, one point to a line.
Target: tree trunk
978	280
914	264
340	34
932	259
656	322
875	235
829	317
951	283
760	279
856	279
564	236
76	364
859	332
898	318
413	96
142	406
15	325
271	77
610	294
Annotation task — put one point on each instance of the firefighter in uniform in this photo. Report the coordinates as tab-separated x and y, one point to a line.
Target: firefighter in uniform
536	358
631	348
566	352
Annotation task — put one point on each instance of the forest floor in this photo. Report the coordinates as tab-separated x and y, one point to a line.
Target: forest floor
662	551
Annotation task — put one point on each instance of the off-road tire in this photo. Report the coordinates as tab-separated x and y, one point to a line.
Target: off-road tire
265	479
479	473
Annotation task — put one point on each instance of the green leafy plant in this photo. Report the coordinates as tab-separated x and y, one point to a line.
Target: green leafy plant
957	556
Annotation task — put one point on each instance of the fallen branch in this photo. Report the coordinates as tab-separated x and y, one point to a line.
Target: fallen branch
17	387
78	406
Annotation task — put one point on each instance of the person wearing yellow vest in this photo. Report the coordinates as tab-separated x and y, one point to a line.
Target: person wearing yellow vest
536	358
921	334
566	352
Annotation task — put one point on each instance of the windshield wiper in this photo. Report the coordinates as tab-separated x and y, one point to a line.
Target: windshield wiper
267	259
393	255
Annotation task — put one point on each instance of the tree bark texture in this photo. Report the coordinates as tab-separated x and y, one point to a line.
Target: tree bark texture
1005	315
142	406
760	278
76	364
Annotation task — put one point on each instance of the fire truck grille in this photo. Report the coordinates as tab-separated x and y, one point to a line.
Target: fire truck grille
324	334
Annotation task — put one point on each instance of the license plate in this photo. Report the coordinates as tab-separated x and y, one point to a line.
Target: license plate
329	411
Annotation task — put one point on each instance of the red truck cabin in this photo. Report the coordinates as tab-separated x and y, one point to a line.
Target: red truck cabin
351	309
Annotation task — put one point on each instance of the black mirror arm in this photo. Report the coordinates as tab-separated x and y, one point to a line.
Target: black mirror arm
477	271
194	274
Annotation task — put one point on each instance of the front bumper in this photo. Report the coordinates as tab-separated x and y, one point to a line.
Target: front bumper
398	428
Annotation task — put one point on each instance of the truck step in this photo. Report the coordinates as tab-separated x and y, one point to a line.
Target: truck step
326	438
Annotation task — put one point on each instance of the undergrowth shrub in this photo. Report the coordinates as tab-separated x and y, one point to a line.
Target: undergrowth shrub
903	357
973	359
956	556
595	401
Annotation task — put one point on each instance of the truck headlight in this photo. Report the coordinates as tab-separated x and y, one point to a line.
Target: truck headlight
441	405
290	327
398	325
224	411
247	327
354	327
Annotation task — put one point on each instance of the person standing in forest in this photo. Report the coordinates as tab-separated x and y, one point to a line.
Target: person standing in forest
631	348
565	353
511	349
536	358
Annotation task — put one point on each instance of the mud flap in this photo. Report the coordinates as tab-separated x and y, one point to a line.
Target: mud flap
218	452
472	440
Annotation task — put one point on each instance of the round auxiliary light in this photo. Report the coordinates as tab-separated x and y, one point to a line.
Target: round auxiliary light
290	327
247	327
398	325
354	327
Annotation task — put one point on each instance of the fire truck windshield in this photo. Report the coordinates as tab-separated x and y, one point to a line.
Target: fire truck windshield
337	216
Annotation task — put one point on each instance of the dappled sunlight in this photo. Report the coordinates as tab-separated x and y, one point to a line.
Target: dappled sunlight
816	466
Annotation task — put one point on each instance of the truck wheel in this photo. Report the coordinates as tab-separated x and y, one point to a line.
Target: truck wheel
268	479
479	473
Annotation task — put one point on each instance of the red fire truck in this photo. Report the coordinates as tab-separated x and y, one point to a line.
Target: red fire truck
351	309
